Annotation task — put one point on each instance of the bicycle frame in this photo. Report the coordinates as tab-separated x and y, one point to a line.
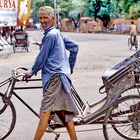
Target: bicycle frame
83	108
12	82
11	88
83	118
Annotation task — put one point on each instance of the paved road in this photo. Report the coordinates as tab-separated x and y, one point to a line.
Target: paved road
97	52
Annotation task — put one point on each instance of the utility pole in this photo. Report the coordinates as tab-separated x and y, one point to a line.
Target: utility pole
81	9
55	12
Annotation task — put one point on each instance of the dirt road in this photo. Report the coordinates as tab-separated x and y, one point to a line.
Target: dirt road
97	52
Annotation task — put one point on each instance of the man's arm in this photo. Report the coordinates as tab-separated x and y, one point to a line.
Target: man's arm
73	48
41	58
43	54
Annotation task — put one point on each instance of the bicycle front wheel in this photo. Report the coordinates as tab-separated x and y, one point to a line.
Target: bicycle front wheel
7	117
129	44
122	121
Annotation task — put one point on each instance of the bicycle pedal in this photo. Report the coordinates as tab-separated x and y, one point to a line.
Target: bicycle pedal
49	130
55	125
57	136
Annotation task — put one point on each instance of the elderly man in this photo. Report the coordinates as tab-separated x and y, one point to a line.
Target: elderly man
56	66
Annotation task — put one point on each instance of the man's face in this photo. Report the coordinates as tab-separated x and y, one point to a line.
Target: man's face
46	20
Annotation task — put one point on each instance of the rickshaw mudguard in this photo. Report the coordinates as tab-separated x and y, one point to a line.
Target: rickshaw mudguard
121	76
115	80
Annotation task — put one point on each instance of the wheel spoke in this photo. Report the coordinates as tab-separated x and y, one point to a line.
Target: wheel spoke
123	120
7	118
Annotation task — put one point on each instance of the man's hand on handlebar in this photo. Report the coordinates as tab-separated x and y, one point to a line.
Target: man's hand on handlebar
27	76
71	71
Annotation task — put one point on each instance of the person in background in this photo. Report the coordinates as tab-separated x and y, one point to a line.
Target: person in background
133	31
56	66
11	34
5	32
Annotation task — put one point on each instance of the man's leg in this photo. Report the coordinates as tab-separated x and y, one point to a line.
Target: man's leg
70	127
43	124
71	130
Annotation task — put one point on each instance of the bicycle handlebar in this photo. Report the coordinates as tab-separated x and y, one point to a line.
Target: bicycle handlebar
16	72
37	43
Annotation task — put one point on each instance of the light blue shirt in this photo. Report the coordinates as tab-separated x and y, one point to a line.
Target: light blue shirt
54	57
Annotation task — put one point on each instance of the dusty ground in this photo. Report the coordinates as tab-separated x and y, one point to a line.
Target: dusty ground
97	52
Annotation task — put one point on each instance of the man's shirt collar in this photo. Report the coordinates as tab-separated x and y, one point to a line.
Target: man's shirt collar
48	29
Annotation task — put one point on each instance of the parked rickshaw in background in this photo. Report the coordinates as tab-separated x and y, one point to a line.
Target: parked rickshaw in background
21	41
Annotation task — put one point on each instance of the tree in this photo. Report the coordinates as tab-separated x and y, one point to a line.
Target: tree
71	9
36	4
134	11
100	9
125	8
66	8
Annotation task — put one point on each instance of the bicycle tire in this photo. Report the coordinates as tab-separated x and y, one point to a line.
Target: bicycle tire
1	47
2	106
27	48
125	127
7	117
129	44
135	90
136	44
14	47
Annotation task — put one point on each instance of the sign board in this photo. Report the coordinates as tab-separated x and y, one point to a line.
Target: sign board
24	10
8	13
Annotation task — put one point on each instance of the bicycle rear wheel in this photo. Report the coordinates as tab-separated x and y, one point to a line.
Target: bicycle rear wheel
7	117
122	121
135	90
136	44
129	44
14	47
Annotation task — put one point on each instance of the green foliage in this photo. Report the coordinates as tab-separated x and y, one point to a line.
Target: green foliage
99	9
91	8
65	7
125	8
134	11
105	7
69	8
72	8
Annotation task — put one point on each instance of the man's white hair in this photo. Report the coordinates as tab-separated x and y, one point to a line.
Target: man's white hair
49	10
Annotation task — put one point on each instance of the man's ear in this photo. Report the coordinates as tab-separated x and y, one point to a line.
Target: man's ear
53	17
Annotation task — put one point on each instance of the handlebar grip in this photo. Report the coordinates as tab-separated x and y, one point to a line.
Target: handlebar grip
100	89
24	68
37	43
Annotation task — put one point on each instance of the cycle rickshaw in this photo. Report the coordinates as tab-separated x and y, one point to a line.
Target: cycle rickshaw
21	41
119	110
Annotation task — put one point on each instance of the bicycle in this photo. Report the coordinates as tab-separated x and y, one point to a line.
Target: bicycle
121	87
1	48
132	43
